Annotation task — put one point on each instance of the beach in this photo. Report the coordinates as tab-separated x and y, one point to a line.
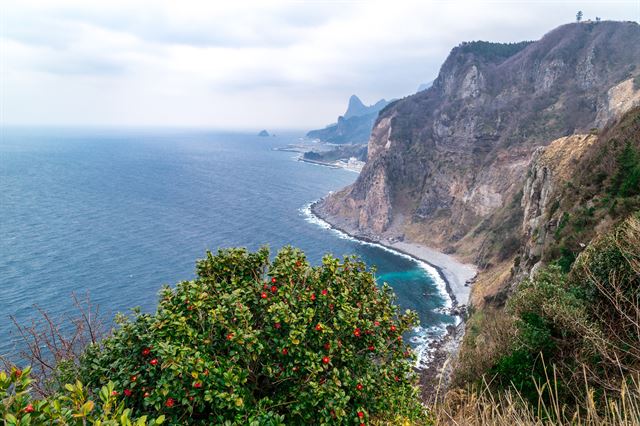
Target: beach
456	275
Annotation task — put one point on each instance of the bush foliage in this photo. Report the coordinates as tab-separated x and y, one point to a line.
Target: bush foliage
71	406
254	342
583	324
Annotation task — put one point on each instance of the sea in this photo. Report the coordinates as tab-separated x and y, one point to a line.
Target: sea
115	213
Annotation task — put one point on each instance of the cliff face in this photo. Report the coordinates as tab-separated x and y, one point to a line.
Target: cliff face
446	161
550	169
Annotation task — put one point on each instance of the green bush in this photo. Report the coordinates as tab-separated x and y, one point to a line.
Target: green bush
72	406
540	308
583	323
254	342
626	181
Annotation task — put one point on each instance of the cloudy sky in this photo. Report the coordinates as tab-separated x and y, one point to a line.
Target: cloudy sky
240	64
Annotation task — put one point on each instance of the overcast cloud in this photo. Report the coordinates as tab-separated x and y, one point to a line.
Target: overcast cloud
240	64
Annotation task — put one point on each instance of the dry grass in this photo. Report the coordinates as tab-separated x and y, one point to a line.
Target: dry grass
488	407
607	392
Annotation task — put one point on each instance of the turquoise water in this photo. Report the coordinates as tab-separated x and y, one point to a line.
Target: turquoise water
119	212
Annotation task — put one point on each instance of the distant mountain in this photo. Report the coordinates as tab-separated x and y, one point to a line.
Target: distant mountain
354	127
263	133
357	109
424	86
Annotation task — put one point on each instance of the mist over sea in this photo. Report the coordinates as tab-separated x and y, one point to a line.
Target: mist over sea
119	212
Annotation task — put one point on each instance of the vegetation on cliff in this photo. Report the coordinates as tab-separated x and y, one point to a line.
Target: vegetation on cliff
566	343
566	349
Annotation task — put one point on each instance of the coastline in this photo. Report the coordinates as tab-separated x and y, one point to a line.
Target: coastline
458	278
338	164
456	275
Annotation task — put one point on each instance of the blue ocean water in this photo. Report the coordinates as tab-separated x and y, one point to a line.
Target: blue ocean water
120	212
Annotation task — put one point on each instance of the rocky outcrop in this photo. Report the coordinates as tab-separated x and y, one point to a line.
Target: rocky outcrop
443	161
620	98
550	170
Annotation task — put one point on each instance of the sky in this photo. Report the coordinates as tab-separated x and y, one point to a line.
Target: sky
242	64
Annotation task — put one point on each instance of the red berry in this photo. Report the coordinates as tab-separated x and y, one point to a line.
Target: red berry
146	351
273	280
18	372
392	328
331	306
263	295
376	323
154	362
359	386
327	346
170	402
325	360
278	325
197	385
360	414
397	378
114	393
29	408
190	398
356	332
265	286
134	378
298	263
324	292
147	394
229	336
372	348
318	327
274	289
285	351
313	296
127	392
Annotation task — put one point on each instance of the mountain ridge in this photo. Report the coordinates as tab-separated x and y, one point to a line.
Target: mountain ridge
486	113
354	127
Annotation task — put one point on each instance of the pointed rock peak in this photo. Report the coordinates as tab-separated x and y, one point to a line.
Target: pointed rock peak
355	108
355	100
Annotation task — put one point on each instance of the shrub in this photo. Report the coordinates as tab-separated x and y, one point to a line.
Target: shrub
301	345
626	181
541	308
582	324
72	406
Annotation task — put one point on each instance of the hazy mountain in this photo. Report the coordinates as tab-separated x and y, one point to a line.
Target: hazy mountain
354	127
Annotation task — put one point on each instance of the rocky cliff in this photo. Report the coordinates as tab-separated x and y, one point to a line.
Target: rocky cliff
449	163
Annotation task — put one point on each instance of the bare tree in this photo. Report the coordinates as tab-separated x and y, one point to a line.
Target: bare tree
53	346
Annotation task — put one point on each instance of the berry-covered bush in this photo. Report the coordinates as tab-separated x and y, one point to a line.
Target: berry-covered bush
71	406
254	342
